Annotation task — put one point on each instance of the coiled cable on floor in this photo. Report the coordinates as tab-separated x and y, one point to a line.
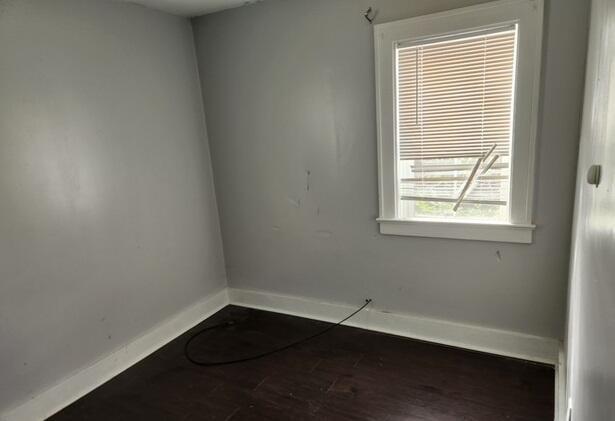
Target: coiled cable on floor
263	354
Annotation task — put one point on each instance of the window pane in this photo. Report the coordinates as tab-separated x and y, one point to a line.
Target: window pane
454	127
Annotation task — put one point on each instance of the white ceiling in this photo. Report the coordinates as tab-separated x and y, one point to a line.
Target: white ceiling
191	7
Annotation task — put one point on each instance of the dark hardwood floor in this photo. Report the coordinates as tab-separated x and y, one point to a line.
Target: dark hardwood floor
347	374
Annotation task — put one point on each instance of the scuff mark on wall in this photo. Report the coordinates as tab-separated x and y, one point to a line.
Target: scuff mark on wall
294	202
323	234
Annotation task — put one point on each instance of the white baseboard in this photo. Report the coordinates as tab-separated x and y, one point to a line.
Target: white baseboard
561	401
493	341
84	381
500	342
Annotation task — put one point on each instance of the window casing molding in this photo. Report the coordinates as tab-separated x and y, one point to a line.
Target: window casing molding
528	16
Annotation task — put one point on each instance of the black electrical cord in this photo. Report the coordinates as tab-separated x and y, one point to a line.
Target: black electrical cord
263	354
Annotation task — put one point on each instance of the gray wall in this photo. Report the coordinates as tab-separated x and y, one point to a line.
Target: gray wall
591	324
108	220
288	88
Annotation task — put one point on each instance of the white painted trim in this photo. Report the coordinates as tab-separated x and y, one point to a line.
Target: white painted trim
528	15
493	341
508	233
561	403
84	381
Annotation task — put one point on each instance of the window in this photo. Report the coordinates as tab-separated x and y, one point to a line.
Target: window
454	114
457	109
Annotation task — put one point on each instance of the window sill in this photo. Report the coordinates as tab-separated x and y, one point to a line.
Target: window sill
507	233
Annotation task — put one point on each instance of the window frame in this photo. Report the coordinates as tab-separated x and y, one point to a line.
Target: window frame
528	16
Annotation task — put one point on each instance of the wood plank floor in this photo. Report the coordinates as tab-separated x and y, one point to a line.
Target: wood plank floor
347	374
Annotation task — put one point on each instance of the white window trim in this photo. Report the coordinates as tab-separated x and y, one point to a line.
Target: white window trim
528	15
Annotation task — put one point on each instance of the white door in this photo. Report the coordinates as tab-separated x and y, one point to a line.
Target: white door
591	324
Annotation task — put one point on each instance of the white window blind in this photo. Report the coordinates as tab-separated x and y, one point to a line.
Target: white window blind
454	125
